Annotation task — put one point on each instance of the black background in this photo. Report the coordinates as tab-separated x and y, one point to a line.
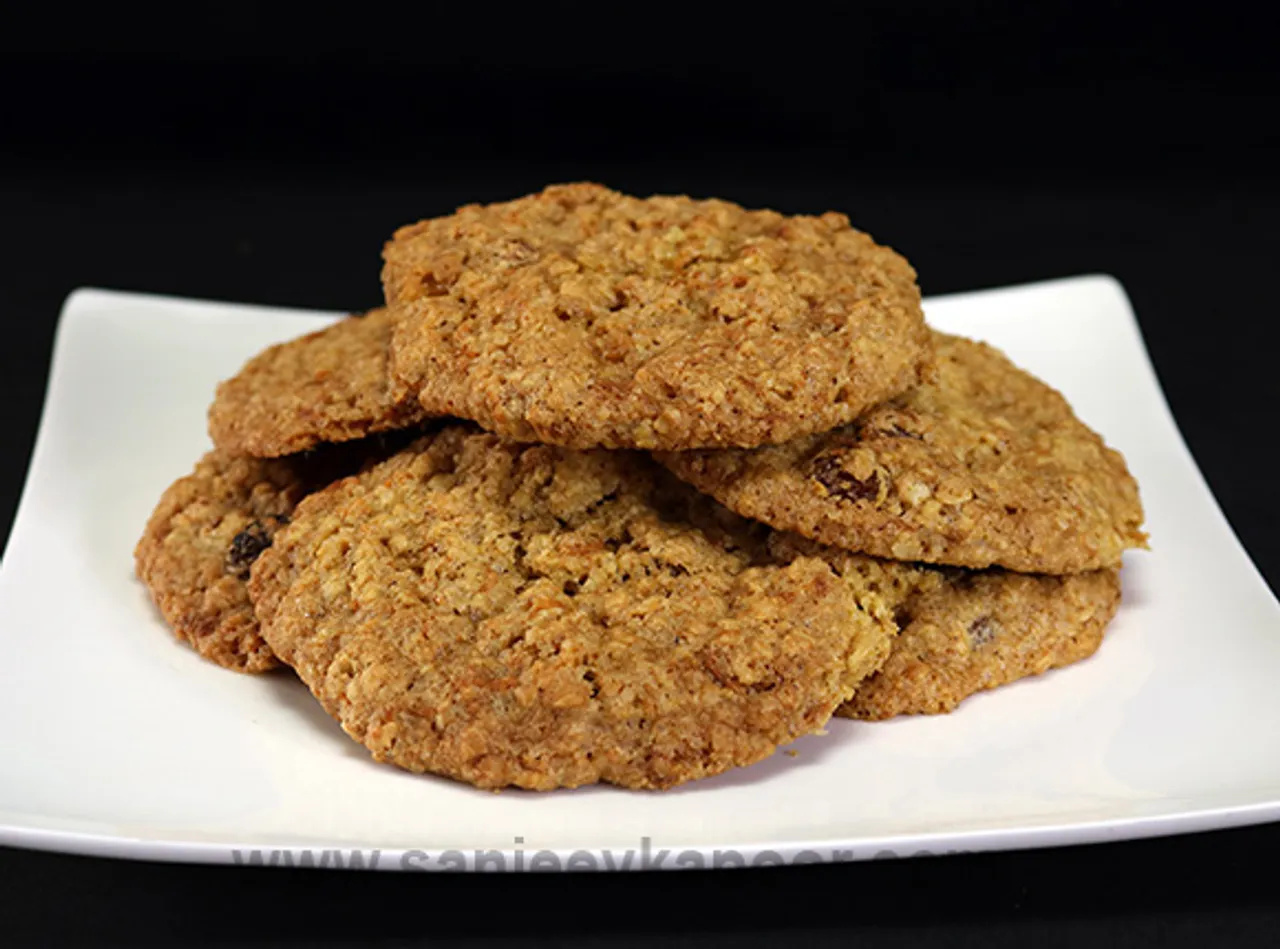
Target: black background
247	159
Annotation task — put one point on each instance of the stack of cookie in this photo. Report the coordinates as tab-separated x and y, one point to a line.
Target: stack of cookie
637	490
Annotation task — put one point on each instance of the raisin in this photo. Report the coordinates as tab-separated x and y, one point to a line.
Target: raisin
829	473
983	630
245	548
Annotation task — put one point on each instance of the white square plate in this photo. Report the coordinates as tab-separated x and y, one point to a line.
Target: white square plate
118	741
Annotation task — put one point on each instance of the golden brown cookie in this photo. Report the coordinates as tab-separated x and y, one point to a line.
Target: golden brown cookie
522	615
986	466
965	631
587	318
198	547
332	385
981	630
210	526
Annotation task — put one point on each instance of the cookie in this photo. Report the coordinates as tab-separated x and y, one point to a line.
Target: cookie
199	544
509	614
332	385
964	635
986	466
210	526
961	631
585	318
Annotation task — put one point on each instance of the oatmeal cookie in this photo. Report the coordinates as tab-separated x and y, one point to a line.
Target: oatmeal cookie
332	385
963	635
585	318
210	526
986	466
198	547
522	615
965	631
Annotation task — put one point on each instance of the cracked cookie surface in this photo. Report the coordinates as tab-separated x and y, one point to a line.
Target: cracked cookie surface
523	615
332	385
582	317
986	466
